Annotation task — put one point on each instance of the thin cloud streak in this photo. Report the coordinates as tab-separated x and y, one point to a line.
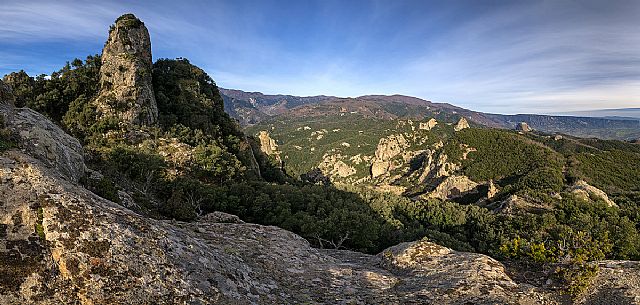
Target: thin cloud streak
545	56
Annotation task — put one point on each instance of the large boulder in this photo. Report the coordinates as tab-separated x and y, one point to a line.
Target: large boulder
45	141
126	90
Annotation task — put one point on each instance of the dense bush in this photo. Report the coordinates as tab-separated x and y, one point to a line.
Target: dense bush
53	96
500	154
6	139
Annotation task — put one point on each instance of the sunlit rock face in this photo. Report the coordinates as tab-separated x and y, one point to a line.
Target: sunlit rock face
462	124
126	90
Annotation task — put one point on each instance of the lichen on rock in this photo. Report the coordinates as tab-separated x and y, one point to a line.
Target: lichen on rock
45	140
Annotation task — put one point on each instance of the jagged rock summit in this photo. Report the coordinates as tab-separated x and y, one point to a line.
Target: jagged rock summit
126	89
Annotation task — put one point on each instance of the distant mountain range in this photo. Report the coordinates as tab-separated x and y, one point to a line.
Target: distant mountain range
620	113
250	108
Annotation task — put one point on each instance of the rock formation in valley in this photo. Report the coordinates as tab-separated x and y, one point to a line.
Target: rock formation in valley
428	125
387	149
462	124
524	127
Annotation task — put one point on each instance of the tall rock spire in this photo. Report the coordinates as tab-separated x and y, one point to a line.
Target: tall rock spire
126	91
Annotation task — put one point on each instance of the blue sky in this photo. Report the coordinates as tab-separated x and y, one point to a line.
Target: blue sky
497	56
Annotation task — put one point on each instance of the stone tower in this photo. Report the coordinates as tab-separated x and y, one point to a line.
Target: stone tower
126	91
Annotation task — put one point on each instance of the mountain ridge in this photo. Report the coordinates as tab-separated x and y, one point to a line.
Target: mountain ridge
270	106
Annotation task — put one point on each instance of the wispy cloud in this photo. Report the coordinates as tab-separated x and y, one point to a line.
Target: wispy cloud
544	56
525	60
28	21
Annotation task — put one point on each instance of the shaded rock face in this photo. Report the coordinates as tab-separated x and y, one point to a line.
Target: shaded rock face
126	90
45	141
6	96
435	168
453	187
462	124
524	127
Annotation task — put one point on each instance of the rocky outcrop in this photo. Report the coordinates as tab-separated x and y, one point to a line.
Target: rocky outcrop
388	148
126	91
433	170
514	204
453	187
492	189
462	124
584	191
267	144
45	141
428	125
524	127
6	96
333	166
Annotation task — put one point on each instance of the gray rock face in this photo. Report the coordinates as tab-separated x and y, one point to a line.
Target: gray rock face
126	90
45	141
